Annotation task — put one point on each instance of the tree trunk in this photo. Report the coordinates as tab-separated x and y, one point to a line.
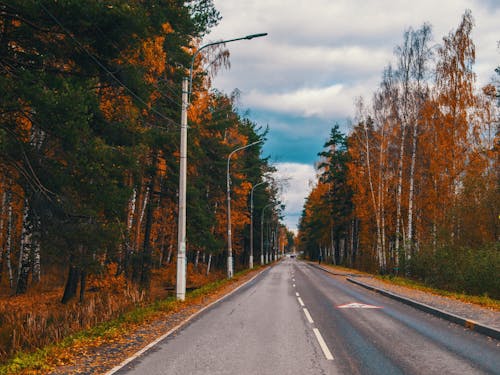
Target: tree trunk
409	232
8	241
400	188
147	252
209	263
24	252
2	220
196	259
35	250
379	252
169	255
71	283
127	243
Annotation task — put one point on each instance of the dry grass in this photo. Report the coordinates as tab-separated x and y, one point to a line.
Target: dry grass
38	318
117	331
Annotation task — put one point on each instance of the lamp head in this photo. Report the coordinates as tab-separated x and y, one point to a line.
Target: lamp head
255	36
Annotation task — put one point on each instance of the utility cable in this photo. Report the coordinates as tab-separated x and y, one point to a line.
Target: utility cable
96	61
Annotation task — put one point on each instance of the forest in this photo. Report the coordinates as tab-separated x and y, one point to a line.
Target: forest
414	188
89	161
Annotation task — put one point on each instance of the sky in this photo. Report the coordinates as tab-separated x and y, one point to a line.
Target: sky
319	56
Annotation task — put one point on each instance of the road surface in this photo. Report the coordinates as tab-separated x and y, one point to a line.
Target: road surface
296	319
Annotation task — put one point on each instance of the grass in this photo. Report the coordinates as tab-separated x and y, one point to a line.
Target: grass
484	300
48	357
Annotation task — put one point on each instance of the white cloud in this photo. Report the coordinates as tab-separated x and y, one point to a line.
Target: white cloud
322	54
334	101
299	179
322	43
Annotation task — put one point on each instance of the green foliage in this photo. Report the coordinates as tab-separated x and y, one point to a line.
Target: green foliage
327	215
460	269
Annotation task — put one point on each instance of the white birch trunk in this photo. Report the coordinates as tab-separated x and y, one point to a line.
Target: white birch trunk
400	187
380	254
169	255
131	209
144	205
196	259
209	263
409	232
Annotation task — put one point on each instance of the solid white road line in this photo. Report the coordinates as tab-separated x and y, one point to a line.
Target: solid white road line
308	316
150	345
300	301
322	343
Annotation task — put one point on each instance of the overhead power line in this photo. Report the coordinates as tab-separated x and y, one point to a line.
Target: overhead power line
103	67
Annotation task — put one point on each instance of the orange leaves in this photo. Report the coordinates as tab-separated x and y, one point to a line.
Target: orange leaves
167	28
153	58
116	105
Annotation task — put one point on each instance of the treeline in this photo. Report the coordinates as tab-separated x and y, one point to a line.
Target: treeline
415	187
89	143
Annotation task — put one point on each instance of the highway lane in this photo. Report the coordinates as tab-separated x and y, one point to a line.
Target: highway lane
296	319
391	338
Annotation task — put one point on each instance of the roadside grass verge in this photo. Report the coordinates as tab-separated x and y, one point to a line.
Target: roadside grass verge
45	359
484	300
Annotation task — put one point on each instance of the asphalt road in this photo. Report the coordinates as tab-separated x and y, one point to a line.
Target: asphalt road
295	319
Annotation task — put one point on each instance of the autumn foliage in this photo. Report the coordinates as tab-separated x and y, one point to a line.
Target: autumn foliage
89	159
422	164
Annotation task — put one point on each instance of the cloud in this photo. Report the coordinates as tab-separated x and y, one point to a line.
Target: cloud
335	101
322	54
298	181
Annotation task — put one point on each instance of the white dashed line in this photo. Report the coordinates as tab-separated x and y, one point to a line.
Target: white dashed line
294	285
322	343
308	316
293	279
297	294
300	301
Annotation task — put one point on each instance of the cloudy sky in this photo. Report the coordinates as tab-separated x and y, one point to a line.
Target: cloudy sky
318	57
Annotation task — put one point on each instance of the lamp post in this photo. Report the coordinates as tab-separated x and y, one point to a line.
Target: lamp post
250	262
181	234
229	238
262	231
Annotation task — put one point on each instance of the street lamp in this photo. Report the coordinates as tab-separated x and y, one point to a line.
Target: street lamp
181	235
229	239
250	262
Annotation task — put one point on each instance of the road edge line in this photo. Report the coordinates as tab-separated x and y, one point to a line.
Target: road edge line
467	323
177	327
